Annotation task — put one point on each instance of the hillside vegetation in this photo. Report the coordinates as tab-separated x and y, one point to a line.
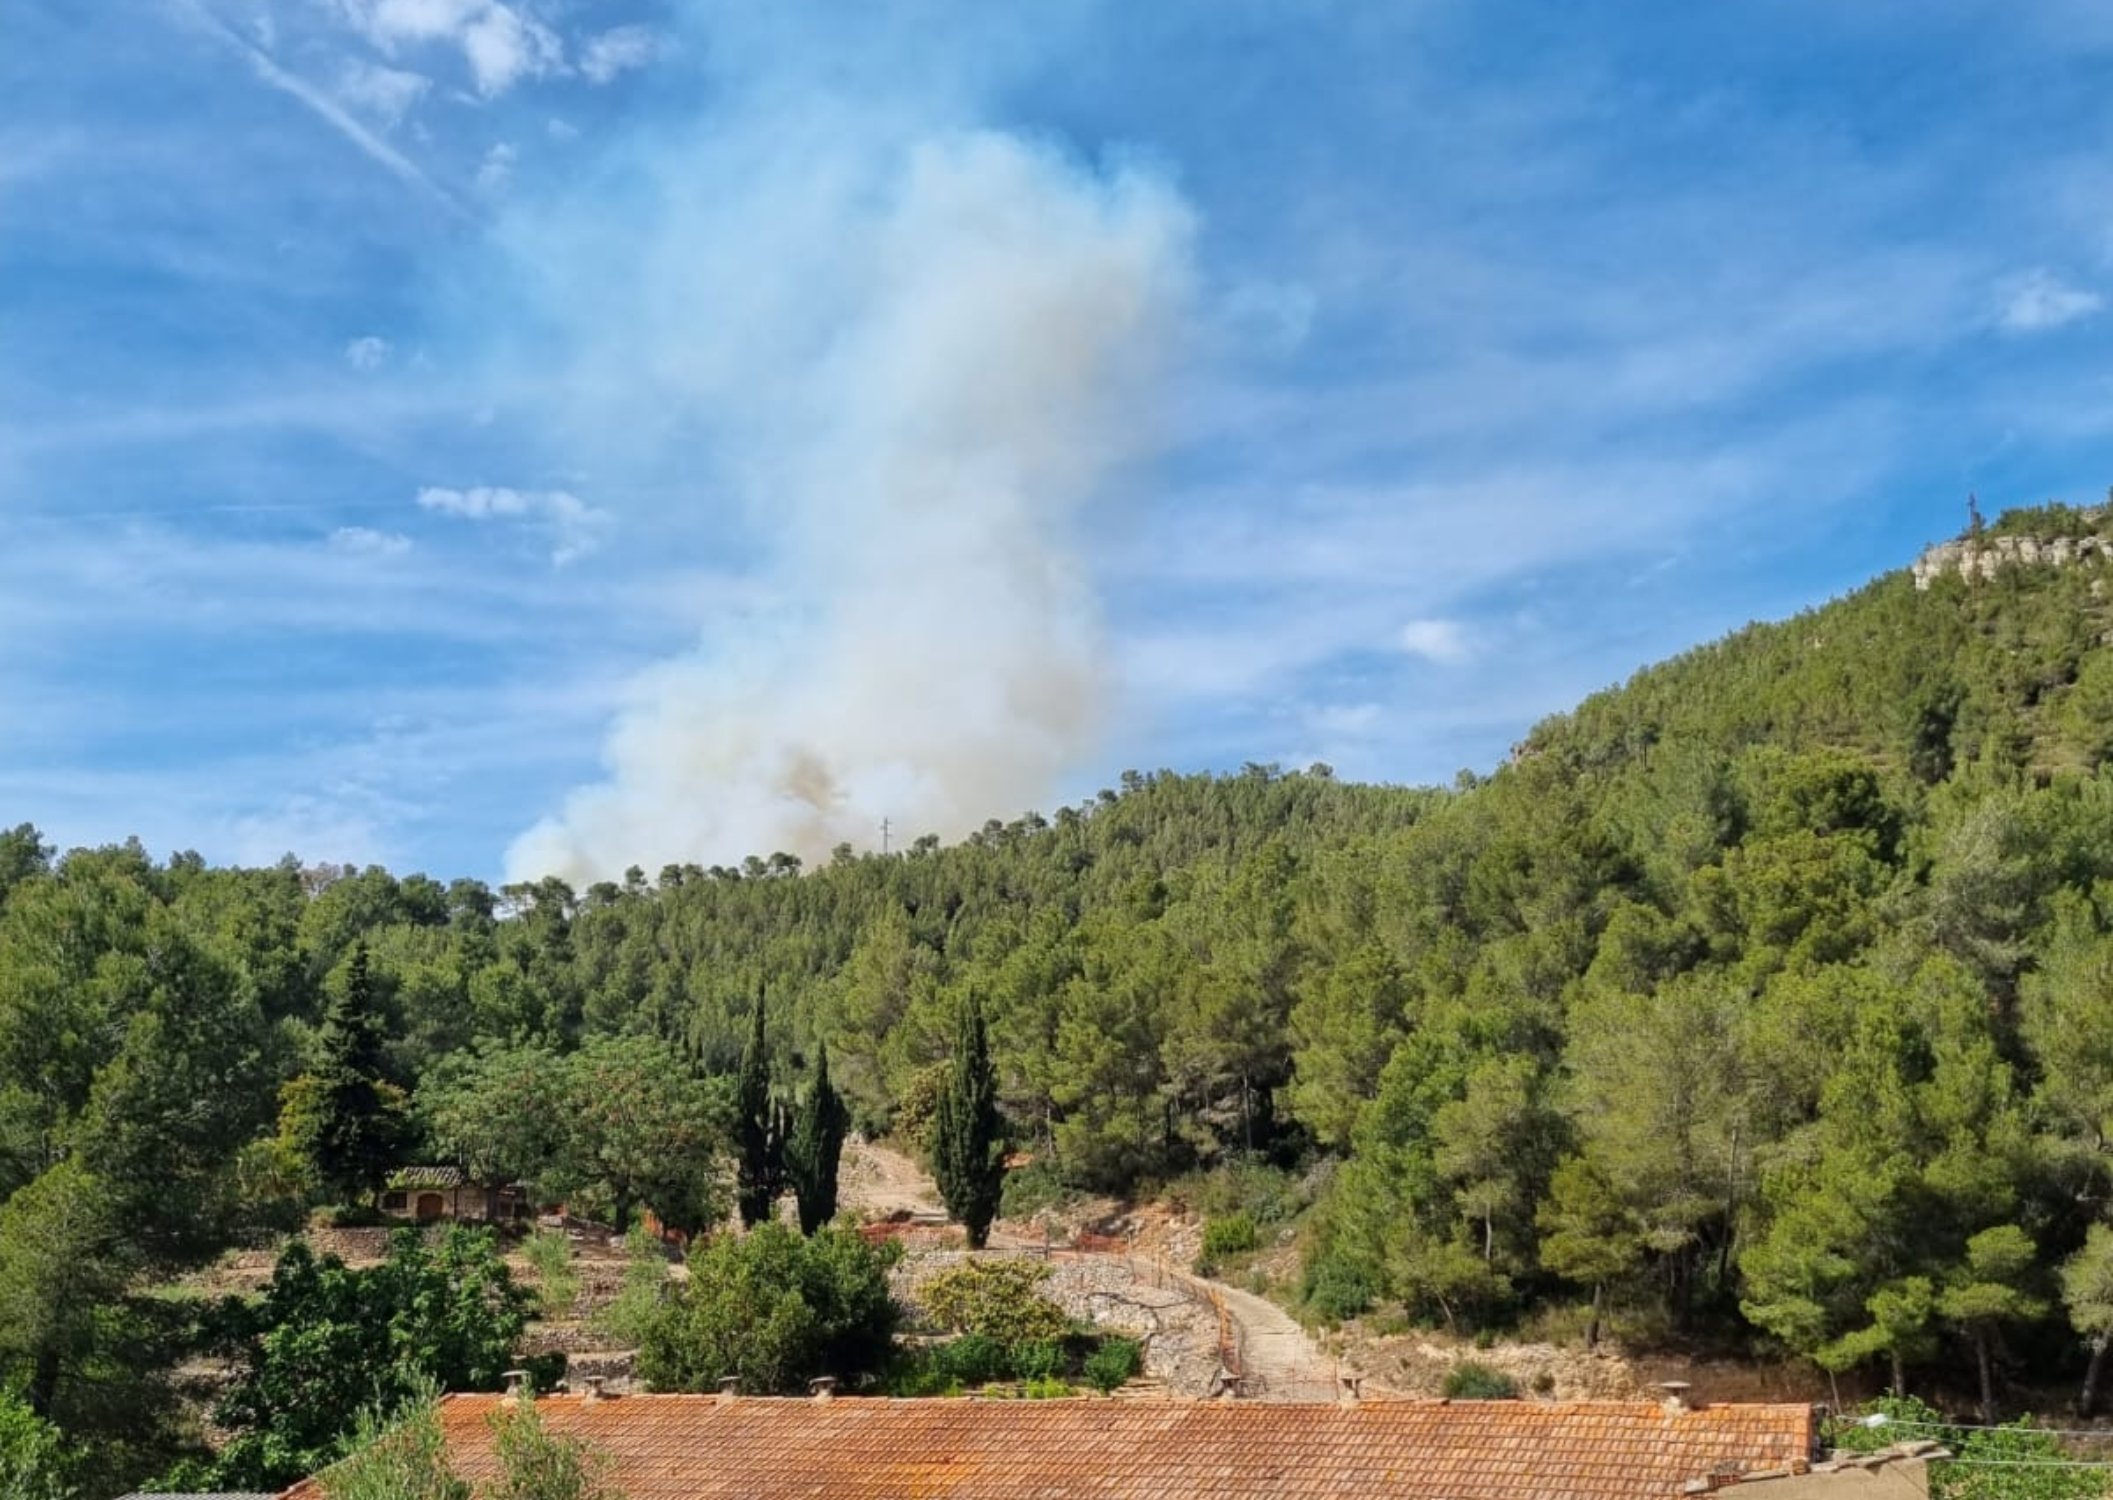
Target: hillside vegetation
1766	1000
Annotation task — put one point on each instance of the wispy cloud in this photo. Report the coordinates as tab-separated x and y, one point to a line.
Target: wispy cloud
496	171
574	526
365	541
618	51
502	44
2040	300
367	353
385	95
320	104
1443	641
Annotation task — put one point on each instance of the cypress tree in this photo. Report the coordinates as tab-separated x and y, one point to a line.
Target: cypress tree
760	1173
816	1147
967	1156
359	1125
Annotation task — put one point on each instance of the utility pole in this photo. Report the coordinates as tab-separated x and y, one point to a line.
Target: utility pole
883	836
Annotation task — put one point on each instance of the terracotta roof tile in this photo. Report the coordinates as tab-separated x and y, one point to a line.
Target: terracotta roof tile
765	1448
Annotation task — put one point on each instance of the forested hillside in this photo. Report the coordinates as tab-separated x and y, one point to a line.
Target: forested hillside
1765	1000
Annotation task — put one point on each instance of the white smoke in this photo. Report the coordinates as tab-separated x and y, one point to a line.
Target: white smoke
937	374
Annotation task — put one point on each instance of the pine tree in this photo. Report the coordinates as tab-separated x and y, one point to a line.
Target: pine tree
816	1147
967	1156
760	1173
358	1128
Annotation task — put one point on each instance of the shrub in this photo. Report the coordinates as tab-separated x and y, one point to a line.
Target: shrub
1030	1190
1113	1363
1470	1381
1337	1287
538	1464
774	1310
1000	1297
549	1251
35	1463
326	1339
637	1301
972	1359
1039	1359
1223	1238
1045	1388
1264	1194
400	1458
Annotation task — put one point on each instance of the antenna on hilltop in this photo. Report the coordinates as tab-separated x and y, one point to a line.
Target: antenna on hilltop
1973	514
883	836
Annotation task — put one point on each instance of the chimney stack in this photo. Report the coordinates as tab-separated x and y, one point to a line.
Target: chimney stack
822	1387
729	1387
594	1388
516	1386
1349	1386
1676	1400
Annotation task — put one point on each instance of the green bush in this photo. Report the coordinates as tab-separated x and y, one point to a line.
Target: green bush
998	1296
972	1359
638	1299
1032	1189
1045	1388
35	1461
774	1310
1337	1287
1235	1234
1113	1363
1265	1194
549	1251
1470	1381
1038	1359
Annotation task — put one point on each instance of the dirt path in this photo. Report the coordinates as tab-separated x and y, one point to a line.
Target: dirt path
1282	1362
879	1182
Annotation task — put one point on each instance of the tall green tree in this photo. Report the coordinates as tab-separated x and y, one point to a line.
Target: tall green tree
968	1153
2087	1292
642	1128
359	1123
816	1148
760	1121
503	1114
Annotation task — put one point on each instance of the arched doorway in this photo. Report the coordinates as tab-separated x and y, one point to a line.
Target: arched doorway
430	1207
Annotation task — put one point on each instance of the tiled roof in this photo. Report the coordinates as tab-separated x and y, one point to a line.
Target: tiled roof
214	1495
850	1448
426	1177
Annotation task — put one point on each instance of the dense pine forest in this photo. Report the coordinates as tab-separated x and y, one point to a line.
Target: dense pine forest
1763	1003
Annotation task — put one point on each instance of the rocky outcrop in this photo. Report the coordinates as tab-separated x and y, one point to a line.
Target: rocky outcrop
1977	558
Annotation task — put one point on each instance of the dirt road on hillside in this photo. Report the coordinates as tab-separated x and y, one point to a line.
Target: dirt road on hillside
1282	1362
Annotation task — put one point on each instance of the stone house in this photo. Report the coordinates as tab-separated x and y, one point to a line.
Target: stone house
428	1195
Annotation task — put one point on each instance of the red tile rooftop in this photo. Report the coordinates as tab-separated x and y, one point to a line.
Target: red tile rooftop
851	1448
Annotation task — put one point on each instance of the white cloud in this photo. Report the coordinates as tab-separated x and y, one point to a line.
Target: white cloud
367	352
364	541
573	525
618	51
502	44
1441	641
497	168
384	95
2040	300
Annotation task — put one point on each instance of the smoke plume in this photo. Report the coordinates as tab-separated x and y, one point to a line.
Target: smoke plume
918	364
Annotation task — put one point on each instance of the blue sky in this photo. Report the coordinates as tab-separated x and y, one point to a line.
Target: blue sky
496	436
